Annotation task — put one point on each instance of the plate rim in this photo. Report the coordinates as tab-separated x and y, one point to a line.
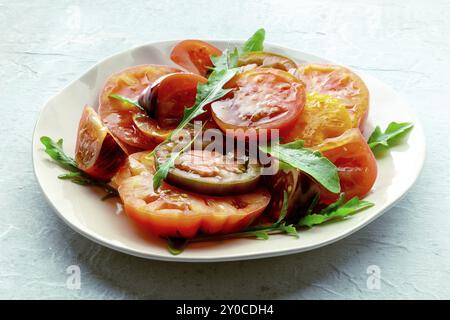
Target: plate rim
95	237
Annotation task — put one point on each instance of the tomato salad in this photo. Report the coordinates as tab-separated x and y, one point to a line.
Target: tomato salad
291	153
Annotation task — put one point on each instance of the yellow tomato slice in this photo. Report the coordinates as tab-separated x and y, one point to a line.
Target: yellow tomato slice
340	83
322	117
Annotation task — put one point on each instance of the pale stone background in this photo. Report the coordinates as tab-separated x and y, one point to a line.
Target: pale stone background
45	44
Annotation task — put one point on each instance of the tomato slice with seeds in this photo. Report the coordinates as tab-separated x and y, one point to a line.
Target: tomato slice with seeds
209	172
174	212
194	55
97	152
340	83
262	98
118	116
322	117
357	166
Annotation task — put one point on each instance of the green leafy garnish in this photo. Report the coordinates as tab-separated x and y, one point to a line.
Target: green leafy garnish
228	60
164	168
126	100
56	152
75	175
206	93
293	154
394	134
338	210
255	43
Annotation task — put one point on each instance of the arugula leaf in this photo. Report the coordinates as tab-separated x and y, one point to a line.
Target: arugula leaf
333	206
284	208
314	202
55	151
310	162
394	134
164	168
338	210
261	235
206	93
255	43
75	175
126	100
228	60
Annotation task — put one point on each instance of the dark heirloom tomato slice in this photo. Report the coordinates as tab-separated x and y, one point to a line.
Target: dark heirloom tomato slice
322	117
262	98
300	190
267	60
118	116
209	172
173	212
340	83
97	153
194	55
173	94
357	167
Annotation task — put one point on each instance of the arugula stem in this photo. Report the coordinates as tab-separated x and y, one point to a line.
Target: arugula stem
55	150
249	233
127	100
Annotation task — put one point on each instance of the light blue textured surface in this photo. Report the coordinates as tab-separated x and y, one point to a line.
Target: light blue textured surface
46	44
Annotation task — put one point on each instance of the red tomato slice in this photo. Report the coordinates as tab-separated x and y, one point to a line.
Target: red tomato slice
175	93
118	116
340	83
357	167
194	55
173	212
97	153
262	98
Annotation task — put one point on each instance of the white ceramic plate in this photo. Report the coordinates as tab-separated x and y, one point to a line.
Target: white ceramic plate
81	208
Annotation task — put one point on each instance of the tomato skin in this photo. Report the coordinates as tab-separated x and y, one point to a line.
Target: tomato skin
300	189
97	152
357	166
175	93
173	212
322	117
118	116
262	98
340	83
266	60
194	55
279	183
